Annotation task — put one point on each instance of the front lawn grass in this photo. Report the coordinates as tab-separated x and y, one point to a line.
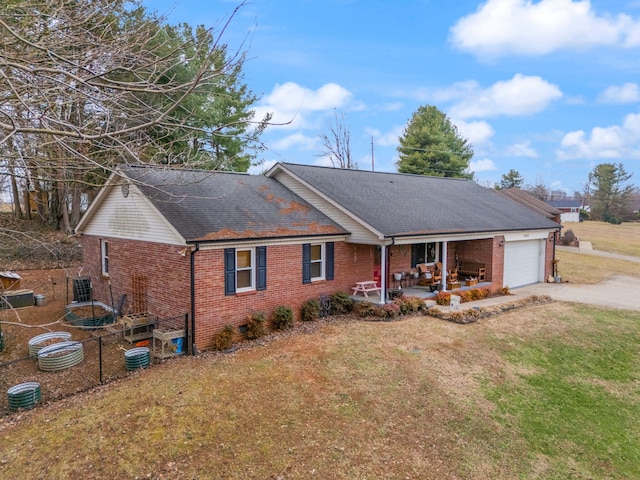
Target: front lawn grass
540	392
590	269
574	398
623	238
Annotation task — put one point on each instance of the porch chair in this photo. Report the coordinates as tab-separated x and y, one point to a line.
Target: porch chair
437	273
452	275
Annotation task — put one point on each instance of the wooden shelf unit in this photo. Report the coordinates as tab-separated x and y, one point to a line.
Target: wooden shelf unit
137	327
165	337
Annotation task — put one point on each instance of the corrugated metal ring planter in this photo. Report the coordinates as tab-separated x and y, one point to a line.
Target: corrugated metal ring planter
60	356
40	341
24	395
138	357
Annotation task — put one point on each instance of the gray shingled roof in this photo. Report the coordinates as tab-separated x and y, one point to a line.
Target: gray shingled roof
210	206
568	203
530	201
401	205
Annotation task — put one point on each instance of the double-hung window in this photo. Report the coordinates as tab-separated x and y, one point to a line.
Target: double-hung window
245	269
317	262
104	257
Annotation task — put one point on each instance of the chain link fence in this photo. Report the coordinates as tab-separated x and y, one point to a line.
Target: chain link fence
62	367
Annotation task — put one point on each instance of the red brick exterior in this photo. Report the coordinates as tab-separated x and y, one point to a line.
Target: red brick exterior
168	280
163	269
166	273
552	240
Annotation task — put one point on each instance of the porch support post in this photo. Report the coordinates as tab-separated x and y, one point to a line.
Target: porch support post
383	273
444	266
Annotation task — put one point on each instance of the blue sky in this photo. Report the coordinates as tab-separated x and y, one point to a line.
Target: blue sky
550	88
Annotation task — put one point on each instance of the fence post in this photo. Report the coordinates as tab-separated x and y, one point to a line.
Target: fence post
100	356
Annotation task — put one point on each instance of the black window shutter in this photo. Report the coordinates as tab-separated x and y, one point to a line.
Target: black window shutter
261	261
306	263
329	262
229	271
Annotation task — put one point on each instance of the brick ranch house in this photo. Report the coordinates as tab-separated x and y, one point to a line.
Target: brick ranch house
220	246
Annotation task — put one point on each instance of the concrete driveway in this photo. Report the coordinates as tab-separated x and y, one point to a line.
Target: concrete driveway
615	292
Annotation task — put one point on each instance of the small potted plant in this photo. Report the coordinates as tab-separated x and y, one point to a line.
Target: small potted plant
394	293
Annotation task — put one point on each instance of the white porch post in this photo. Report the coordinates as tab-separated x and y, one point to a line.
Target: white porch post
444	265
383	273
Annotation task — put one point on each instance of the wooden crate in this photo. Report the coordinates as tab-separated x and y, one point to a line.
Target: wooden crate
164	347
138	319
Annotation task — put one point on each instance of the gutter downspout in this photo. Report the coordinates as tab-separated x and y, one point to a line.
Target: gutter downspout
554	263
384	262
194	350
444	266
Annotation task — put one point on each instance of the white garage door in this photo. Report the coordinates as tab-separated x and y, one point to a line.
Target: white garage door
523	262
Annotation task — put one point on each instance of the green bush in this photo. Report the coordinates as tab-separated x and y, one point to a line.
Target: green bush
256	325
341	303
282	318
310	310
224	338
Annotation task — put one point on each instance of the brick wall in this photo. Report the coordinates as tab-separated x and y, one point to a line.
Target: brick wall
552	239
399	260
214	309
167	276
497	263
161	275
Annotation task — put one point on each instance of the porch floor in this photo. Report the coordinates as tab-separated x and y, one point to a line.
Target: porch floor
416	291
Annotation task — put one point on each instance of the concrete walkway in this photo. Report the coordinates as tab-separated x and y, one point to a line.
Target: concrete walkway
619	291
615	292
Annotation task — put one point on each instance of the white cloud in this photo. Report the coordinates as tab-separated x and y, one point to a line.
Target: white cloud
292	97
522	150
323	161
521	95
525	27
484	165
478	133
388	139
626	93
296	140
291	104
615	141
263	167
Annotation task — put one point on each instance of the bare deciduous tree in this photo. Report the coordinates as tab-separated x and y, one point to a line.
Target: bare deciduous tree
337	143
86	85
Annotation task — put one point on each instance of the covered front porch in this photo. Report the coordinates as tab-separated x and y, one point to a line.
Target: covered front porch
412	291
420	265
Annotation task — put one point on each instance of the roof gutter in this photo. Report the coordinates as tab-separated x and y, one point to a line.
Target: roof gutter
256	239
194	350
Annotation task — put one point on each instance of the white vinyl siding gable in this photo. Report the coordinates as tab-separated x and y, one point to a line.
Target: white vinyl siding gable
131	217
